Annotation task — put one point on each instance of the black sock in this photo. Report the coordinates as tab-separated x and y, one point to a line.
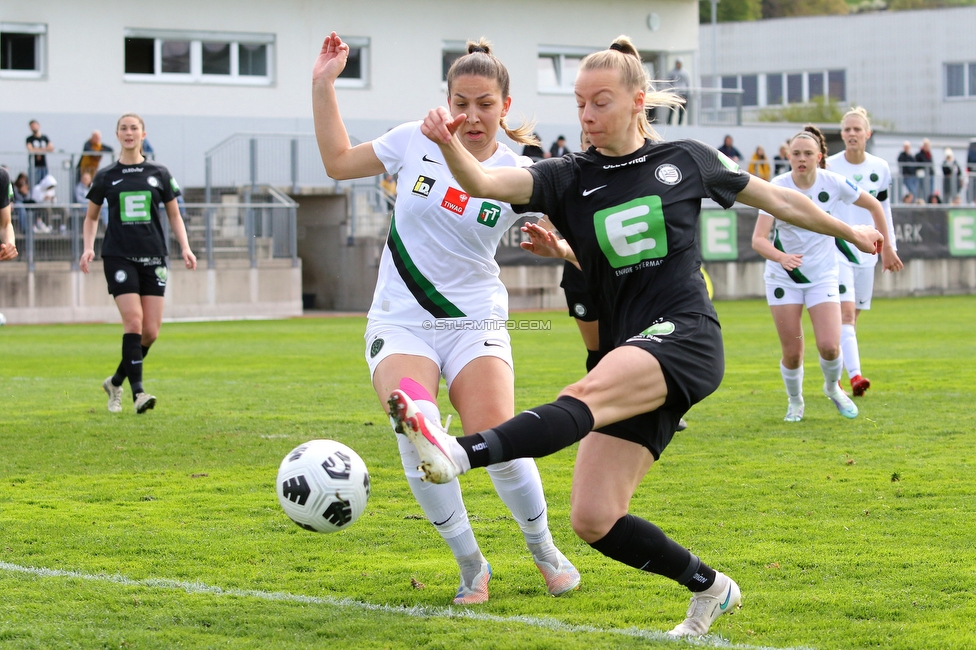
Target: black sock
132	361
642	545
119	375
534	433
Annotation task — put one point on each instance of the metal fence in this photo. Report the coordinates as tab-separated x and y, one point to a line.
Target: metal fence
292	161
254	225
924	181
62	165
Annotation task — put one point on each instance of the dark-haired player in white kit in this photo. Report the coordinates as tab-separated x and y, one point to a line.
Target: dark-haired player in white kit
629	210
856	271
439	308
134	251
8	250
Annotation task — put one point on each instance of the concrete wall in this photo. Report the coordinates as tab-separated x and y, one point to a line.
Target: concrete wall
56	294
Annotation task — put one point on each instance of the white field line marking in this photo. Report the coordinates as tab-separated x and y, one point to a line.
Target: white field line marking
418	611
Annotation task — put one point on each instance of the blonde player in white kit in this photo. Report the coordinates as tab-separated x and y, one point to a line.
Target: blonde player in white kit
439	308
856	269
801	270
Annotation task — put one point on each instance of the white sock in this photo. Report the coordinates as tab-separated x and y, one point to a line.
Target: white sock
793	379
831	372
849	350
520	487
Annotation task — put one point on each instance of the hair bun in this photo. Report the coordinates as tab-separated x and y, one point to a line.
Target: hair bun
617	46
478	48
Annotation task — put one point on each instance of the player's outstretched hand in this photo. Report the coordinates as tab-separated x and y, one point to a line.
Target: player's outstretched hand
868	240
439	126
331	60
890	260
792	262
8	252
542	242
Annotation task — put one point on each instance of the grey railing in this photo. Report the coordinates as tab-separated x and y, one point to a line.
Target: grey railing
253	226
291	161
62	165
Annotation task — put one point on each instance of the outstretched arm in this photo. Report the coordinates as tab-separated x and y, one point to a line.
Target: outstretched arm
509	184
792	207
889	258
342	160
545	243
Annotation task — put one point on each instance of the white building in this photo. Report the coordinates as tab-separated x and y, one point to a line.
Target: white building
199	73
915	71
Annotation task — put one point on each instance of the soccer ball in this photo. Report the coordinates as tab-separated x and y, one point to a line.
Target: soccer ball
323	486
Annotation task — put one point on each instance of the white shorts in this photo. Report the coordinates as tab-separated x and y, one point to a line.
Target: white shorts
451	349
856	284
810	295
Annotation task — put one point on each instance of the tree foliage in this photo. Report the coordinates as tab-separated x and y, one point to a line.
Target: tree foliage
785	8
818	111
730	10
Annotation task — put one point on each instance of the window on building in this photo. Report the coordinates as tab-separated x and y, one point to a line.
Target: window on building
199	57
730	100
794	88
815	85
356	72
557	68
774	89
750	90
451	51
955	80
837	85
22	50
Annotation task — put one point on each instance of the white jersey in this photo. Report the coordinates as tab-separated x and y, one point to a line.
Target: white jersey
439	258
874	177
819	264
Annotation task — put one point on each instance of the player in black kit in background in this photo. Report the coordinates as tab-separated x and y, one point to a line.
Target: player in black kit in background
134	252
629	209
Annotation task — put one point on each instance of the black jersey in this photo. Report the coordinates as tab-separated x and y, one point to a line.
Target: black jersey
6	189
134	193
633	223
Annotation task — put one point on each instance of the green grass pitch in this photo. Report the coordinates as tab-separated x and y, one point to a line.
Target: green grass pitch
163	530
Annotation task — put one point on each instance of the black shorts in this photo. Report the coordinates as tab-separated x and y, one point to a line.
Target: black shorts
692	357
581	305
145	276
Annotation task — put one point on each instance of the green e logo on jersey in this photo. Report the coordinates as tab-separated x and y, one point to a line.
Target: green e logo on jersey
134	206
632	232
489	213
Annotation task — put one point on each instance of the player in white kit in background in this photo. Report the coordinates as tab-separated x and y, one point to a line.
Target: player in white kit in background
856	270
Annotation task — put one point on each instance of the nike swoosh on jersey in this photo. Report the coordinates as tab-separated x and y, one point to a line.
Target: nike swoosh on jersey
118	181
426	159
489	344
588	192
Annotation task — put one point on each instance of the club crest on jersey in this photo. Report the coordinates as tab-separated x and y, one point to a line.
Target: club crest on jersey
162	273
120	276
152	181
489	213
455	200
422	186
668	174
375	348
579	309
824	197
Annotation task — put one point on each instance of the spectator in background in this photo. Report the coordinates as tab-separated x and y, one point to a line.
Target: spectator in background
38	144
44	193
924	171
8	249
781	161
935	198
533	150
971	170
907	170
759	164
389	190
952	176
89	163
680	83
730	150
908	199
147	150
81	189
558	148
22	195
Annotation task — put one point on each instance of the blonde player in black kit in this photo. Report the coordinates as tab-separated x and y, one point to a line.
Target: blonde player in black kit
134	251
629	209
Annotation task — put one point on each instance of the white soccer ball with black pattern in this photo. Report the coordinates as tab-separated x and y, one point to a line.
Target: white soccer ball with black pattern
323	486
